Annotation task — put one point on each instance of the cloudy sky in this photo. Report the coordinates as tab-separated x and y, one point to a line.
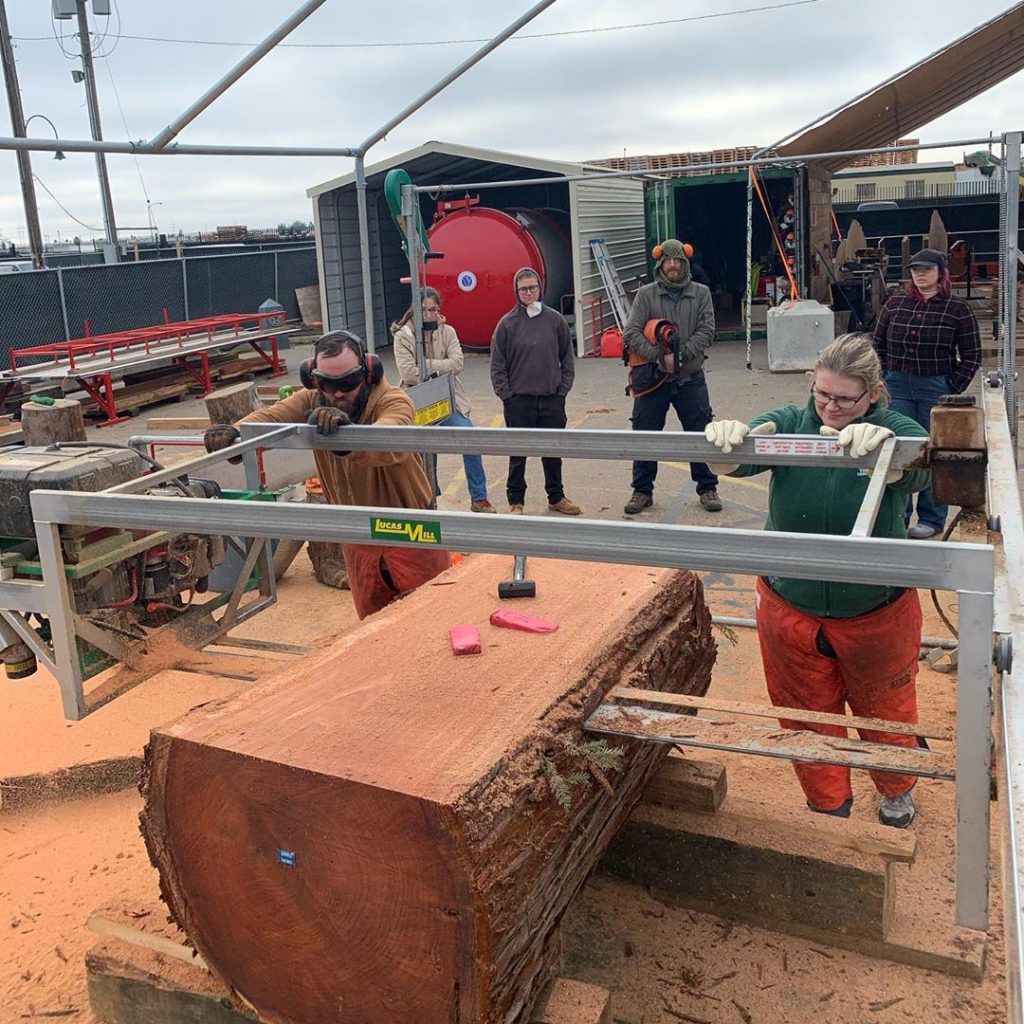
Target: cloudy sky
598	77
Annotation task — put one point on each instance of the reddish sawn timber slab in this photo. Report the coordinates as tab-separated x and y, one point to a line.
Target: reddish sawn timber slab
373	835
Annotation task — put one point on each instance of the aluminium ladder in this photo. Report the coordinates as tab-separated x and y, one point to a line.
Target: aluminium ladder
610	278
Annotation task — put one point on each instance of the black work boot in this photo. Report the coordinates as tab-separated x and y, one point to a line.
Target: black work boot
638	503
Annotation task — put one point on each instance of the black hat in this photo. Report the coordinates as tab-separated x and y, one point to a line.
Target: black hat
929	258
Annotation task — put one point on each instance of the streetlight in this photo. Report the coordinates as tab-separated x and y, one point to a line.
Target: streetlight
58	155
152	223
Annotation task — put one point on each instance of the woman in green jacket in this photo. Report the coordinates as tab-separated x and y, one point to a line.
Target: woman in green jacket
824	644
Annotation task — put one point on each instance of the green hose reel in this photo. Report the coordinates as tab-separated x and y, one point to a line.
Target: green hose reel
393	182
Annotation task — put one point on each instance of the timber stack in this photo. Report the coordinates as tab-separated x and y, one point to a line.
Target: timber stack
390	833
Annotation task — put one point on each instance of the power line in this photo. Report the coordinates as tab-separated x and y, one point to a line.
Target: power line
42	185
124	121
459	42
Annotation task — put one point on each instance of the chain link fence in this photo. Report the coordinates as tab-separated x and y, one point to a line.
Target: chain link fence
42	307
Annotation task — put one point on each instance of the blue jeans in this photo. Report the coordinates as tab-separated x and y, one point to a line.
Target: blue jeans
473	464
915	397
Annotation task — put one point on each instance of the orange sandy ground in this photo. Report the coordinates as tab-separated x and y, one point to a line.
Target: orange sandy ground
62	861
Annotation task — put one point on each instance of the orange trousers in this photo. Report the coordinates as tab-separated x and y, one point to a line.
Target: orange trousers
404	569
874	671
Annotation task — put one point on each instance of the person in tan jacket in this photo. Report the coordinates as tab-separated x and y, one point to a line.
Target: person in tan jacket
349	387
443	354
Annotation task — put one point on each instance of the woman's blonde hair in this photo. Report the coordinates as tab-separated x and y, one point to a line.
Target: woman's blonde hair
854	356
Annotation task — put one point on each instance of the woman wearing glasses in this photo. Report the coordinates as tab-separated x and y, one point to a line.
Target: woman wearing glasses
826	645
443	354
927	340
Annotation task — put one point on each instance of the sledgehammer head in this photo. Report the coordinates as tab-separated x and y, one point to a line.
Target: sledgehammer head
518	586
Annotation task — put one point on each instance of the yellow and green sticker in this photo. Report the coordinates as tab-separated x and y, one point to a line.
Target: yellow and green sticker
406	531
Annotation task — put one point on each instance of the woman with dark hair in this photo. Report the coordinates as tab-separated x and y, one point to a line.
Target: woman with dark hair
928	343
443	354
828	645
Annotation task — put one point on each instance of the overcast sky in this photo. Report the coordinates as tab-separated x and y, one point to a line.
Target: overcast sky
740	79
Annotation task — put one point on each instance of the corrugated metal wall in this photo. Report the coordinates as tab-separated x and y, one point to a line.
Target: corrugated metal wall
342	281
612	210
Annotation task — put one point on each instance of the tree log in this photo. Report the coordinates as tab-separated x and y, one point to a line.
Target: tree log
44	424
388	833
230	404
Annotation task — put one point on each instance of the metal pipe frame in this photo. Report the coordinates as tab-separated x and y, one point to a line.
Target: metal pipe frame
775	161
628	445
142	148
161	139
967	569
475	58
1011	168
1005	503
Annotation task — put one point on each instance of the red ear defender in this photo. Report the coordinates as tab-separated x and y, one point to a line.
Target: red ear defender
374	369
688	249
656	252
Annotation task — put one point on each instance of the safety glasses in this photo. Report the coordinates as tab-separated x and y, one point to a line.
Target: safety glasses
346	382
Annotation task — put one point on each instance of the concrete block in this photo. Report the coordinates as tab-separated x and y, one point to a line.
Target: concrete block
797	332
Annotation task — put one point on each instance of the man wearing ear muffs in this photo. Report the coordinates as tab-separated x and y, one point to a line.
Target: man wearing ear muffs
345	385
671	320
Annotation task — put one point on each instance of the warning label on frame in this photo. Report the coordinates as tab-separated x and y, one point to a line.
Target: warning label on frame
797	446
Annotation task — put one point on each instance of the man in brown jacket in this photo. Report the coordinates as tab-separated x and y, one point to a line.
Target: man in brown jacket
349	387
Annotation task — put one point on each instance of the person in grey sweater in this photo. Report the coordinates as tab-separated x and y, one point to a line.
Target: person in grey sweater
656	382
532	371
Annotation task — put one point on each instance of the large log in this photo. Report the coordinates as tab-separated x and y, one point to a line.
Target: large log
389	833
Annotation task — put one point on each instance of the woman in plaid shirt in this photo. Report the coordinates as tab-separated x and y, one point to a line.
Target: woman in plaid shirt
928	343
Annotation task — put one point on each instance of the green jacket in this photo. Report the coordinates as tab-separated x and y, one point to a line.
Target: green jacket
808	500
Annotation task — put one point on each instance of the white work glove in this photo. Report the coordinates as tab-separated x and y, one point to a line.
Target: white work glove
725	434
862	439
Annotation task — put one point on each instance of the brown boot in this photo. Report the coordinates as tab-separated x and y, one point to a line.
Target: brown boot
565	506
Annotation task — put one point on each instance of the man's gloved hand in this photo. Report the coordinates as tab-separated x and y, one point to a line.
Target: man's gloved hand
862	439
327	419
725	434
221	436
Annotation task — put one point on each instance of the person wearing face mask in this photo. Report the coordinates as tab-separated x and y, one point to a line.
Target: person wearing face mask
345	385
927	340
826	645
532	371
443	354
656	383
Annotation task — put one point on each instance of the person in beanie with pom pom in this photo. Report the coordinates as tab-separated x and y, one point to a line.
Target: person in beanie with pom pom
656	381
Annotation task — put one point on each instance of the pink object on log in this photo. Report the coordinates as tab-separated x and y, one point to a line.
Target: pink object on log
509	619
465	640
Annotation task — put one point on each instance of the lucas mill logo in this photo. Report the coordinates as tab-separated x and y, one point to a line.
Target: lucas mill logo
406	531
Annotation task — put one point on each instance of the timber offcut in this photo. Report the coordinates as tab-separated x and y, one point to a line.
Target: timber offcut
384	832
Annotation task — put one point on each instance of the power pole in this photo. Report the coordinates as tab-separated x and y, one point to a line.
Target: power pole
28	188
110	250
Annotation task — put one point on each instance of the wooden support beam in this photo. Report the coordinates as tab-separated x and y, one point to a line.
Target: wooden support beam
687	784
630	695
753	738
177	422
573	1002
752	870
